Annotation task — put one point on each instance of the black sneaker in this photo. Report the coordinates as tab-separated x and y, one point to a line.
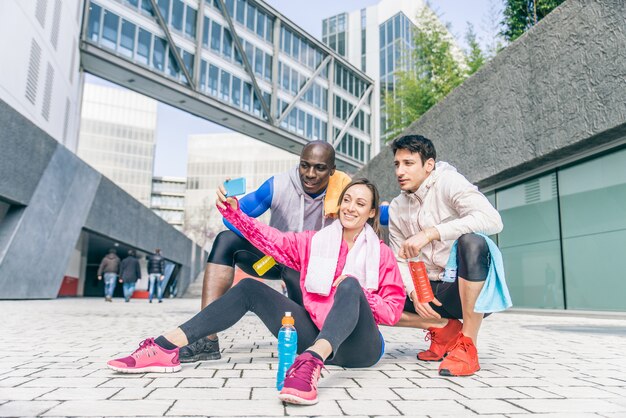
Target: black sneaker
201	350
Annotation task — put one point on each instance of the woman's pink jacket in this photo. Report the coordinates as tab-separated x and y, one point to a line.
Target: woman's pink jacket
293	250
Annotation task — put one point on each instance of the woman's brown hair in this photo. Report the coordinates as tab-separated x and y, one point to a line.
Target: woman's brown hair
375	221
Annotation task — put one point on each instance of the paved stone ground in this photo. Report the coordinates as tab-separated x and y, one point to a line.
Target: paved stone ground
53	353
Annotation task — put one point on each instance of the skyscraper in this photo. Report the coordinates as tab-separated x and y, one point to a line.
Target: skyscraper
378	40
117	137
168	199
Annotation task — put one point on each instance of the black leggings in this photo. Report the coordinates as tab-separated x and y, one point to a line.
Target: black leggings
349	327
229	249
472	264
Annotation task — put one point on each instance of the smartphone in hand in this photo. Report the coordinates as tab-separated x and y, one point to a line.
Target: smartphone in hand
235	187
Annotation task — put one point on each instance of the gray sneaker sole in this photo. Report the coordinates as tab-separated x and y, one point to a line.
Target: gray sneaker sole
203	356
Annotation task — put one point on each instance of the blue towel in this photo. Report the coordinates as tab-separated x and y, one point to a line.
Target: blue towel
495	295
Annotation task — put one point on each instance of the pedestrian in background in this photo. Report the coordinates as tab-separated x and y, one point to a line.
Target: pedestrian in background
130	272
110	268
156	267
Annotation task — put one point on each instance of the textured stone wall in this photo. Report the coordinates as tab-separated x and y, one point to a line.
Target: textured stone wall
555	92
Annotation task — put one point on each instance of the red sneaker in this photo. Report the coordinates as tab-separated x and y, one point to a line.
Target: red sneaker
301	381
462	360
441	340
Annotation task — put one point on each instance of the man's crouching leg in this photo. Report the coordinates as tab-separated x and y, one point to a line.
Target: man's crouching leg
473	266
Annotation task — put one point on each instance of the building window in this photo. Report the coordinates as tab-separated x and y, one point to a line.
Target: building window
530	242
592	200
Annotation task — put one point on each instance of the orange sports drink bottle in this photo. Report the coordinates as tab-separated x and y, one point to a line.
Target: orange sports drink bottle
420	280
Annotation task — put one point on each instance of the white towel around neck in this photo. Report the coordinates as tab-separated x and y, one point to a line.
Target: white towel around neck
362	262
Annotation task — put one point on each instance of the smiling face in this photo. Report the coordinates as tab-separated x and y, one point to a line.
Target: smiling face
410	171
317	164
356	207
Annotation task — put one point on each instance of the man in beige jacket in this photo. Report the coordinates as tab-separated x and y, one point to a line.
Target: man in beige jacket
437	206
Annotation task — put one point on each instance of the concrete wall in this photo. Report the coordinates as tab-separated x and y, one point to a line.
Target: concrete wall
556	92
54	196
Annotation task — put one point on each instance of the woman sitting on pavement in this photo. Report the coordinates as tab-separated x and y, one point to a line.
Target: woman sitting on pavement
350	283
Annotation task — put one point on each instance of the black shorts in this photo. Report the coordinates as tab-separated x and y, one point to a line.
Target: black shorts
230	249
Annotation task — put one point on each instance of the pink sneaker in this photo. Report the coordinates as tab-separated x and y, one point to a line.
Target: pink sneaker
301	381
149	357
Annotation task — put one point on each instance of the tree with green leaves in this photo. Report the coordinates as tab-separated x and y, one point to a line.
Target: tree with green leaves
475	56
521	15
432	70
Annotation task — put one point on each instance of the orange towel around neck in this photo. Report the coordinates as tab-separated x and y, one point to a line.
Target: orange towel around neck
336	184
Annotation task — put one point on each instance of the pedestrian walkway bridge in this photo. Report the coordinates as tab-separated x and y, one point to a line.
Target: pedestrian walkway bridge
238	63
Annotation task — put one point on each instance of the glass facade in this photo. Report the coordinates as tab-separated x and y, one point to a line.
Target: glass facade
593	219
221	73
168	199
396	44
335	33
117	137
563	234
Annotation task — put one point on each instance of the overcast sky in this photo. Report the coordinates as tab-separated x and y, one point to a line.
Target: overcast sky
174	125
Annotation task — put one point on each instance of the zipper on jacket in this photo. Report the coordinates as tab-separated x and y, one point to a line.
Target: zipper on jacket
419	226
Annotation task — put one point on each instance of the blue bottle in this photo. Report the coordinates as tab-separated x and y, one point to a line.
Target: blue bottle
287	346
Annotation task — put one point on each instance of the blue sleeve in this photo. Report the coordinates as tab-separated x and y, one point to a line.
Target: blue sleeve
256	203
384	215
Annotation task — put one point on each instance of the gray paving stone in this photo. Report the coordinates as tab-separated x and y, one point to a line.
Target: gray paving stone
385	383
491	406
250	383
70	394
581	392
556	378
9	382
74	382
126	382
367	407
91	408
21	394
418	394
377	393
192	382
568	405
25	408
19	373
219	408
128	394
164	382
537	393
202	394
491	393
447	407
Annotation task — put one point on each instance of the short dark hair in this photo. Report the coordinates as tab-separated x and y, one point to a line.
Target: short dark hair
416	143
322	144
374	222
131	253
112	251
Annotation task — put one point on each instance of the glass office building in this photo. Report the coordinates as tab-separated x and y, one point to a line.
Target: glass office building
379	40
565	232
117	137
168	199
